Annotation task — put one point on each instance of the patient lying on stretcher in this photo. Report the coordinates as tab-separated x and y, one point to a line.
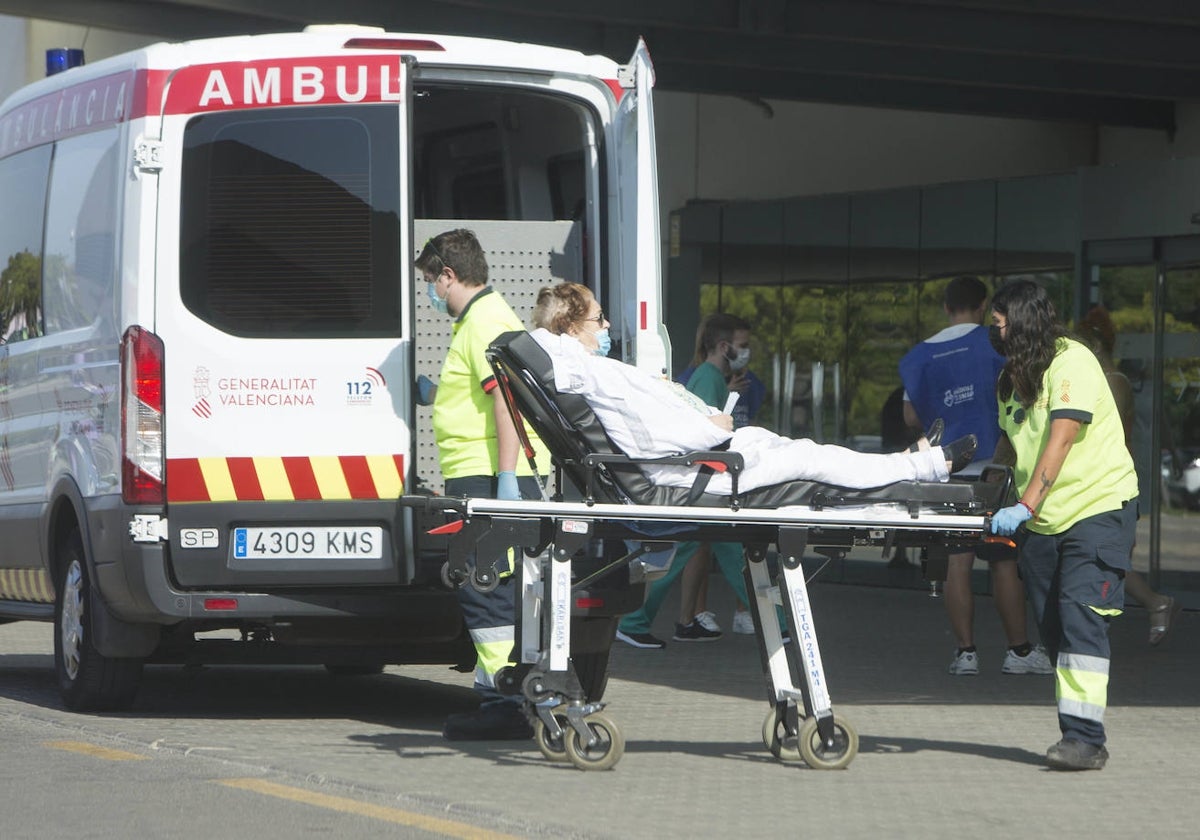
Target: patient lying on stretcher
651	417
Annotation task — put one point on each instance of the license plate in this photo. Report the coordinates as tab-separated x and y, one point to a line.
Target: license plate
318	543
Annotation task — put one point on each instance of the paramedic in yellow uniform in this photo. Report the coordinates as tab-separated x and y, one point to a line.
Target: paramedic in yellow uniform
478	451
1077	503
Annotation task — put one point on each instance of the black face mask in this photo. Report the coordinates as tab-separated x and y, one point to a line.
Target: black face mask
997	341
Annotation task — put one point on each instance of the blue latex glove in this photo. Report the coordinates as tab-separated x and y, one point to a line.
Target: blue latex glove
426	390
1006	520
506	487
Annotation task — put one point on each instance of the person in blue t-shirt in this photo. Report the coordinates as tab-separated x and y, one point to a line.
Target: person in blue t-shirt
952	375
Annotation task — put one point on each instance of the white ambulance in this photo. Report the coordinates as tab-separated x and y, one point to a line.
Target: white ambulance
210	329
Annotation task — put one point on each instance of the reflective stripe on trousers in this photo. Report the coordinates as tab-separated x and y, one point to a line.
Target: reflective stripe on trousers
1081	685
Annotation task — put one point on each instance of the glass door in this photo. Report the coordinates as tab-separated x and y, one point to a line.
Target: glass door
1179	563
1148	294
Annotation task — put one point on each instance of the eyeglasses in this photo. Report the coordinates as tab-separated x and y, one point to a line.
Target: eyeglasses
438	254
598	317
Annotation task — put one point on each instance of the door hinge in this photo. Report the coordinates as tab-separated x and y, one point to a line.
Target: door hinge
148	528
147	156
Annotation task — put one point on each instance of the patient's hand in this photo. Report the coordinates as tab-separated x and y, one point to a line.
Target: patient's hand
725	421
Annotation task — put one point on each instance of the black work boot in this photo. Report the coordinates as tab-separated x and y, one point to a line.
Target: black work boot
1071	754
496	720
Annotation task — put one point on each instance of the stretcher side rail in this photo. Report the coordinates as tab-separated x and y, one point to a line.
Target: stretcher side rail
485	529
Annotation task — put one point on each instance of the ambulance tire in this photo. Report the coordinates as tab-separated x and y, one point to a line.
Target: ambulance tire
88	680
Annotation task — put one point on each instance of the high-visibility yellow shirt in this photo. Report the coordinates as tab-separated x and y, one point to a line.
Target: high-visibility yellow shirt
1098	474
463	423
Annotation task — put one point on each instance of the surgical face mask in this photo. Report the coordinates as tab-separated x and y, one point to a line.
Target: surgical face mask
442	305
997	341
740	359
604	342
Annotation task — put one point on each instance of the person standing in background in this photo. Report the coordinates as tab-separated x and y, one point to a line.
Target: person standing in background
722	338
1097	330
1077	506
952	376
478	451
751	394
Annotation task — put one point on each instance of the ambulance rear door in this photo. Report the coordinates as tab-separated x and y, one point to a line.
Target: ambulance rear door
283	304
637	240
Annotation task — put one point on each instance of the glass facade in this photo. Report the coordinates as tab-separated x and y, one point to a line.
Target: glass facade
838	288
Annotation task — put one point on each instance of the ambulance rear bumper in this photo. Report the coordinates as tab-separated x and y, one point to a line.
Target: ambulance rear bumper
137	584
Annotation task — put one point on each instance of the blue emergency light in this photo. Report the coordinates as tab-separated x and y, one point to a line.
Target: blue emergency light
59	59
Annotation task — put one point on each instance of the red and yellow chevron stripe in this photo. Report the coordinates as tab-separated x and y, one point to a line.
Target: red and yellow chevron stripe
285	478
26	585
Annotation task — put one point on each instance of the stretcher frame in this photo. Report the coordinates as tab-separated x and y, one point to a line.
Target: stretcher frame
551	533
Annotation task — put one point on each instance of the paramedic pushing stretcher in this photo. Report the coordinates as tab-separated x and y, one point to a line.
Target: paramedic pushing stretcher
478	451
1078	504
650	417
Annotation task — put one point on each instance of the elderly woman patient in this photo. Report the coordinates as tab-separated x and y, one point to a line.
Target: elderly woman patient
651	417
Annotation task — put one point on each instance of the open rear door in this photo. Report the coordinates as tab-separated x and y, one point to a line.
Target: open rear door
638	293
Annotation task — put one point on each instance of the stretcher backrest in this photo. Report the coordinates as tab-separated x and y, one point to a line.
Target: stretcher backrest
564	422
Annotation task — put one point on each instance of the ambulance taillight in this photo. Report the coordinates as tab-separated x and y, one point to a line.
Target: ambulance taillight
141	417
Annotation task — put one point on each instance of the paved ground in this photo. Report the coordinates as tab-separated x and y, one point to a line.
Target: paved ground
939	756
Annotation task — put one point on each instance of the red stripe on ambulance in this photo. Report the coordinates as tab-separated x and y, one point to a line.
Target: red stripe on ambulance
245	479
358	477
185	481
234	85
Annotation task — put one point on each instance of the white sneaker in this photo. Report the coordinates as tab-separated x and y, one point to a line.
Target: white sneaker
743	624
1034	662
708	620
965	664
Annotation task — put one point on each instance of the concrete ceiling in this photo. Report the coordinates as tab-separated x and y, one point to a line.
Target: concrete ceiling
1109	62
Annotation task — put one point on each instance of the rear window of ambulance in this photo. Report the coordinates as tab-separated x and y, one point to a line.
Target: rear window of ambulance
289	223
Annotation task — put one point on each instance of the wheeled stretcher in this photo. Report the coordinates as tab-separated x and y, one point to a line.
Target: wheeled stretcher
565	582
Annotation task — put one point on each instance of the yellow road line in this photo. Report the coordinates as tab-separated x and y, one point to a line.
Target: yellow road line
94	750
448	828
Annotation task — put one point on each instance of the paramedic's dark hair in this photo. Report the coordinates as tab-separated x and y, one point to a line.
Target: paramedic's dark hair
458	250
717	328
560	307
1031	337
965	294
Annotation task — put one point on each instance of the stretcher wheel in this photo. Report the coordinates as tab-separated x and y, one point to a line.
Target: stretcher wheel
484	581
819	757
775	737
455	580
605	753
554	749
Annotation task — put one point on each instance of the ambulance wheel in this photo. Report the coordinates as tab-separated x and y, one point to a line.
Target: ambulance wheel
821	757
605	753
554	749
776	739
87	679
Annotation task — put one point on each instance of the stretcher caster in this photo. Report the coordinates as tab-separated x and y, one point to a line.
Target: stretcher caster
553	747
778	741
835	756
484	580
606	749
451	580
